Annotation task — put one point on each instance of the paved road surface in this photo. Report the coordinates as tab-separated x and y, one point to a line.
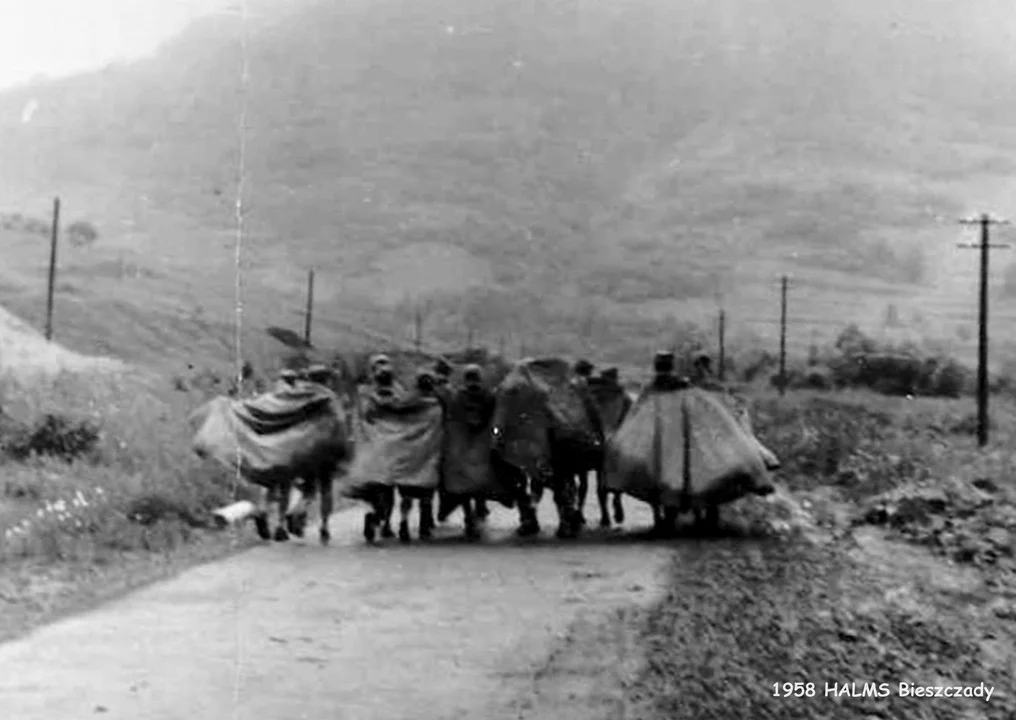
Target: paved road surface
427	632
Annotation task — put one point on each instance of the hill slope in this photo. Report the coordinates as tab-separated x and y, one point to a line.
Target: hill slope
557	172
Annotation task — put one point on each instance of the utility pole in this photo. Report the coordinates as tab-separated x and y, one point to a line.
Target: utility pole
722	359
984	221
310	307
52	269
783	336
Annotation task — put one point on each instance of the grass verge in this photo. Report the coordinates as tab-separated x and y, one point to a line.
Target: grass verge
742	615
109	495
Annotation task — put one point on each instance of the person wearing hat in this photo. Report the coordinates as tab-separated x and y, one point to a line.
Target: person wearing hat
287	380
377	399
703	373
611	376
476	403
442	372
664	377
318	373
376	362
425	391
583	369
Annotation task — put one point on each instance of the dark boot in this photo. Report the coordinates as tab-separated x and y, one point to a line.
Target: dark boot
369	527
261	525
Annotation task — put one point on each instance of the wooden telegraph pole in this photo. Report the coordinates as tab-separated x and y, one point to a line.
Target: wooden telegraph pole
52	268
308	317
417	328
783	335
722	358
985	221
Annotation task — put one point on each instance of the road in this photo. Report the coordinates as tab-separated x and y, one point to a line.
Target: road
285	631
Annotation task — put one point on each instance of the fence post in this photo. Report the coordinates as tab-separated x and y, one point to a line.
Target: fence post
310	307
52	268
783	336
723	354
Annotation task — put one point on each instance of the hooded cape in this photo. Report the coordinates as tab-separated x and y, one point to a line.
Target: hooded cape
685	449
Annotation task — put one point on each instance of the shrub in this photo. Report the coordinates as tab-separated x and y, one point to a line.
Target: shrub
841	442
54	435
753	363
82	233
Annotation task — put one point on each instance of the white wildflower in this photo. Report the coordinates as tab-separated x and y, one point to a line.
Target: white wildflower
60	506
40	513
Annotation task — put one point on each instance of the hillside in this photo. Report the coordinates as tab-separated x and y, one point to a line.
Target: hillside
552	175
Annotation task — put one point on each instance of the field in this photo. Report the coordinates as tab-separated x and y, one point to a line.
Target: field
447	156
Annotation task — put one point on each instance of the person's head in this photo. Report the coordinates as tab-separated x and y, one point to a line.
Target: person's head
583	368
663	362
378	361
611	375
424	381
703	362
472	376
318	374
442	370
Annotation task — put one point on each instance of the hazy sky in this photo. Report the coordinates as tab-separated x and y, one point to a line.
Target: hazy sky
57	37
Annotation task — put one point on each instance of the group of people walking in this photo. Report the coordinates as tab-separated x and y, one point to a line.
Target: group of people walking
472	403
385	395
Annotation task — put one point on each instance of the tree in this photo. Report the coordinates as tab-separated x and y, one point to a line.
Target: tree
82	233
852	341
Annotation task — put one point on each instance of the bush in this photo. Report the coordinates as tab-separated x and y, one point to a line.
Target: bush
833	441
82	233
54	435
754	363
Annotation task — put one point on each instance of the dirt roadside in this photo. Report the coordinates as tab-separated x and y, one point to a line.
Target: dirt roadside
609	627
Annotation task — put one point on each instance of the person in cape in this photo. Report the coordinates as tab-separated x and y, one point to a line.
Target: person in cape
379	397
477	402
702	373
